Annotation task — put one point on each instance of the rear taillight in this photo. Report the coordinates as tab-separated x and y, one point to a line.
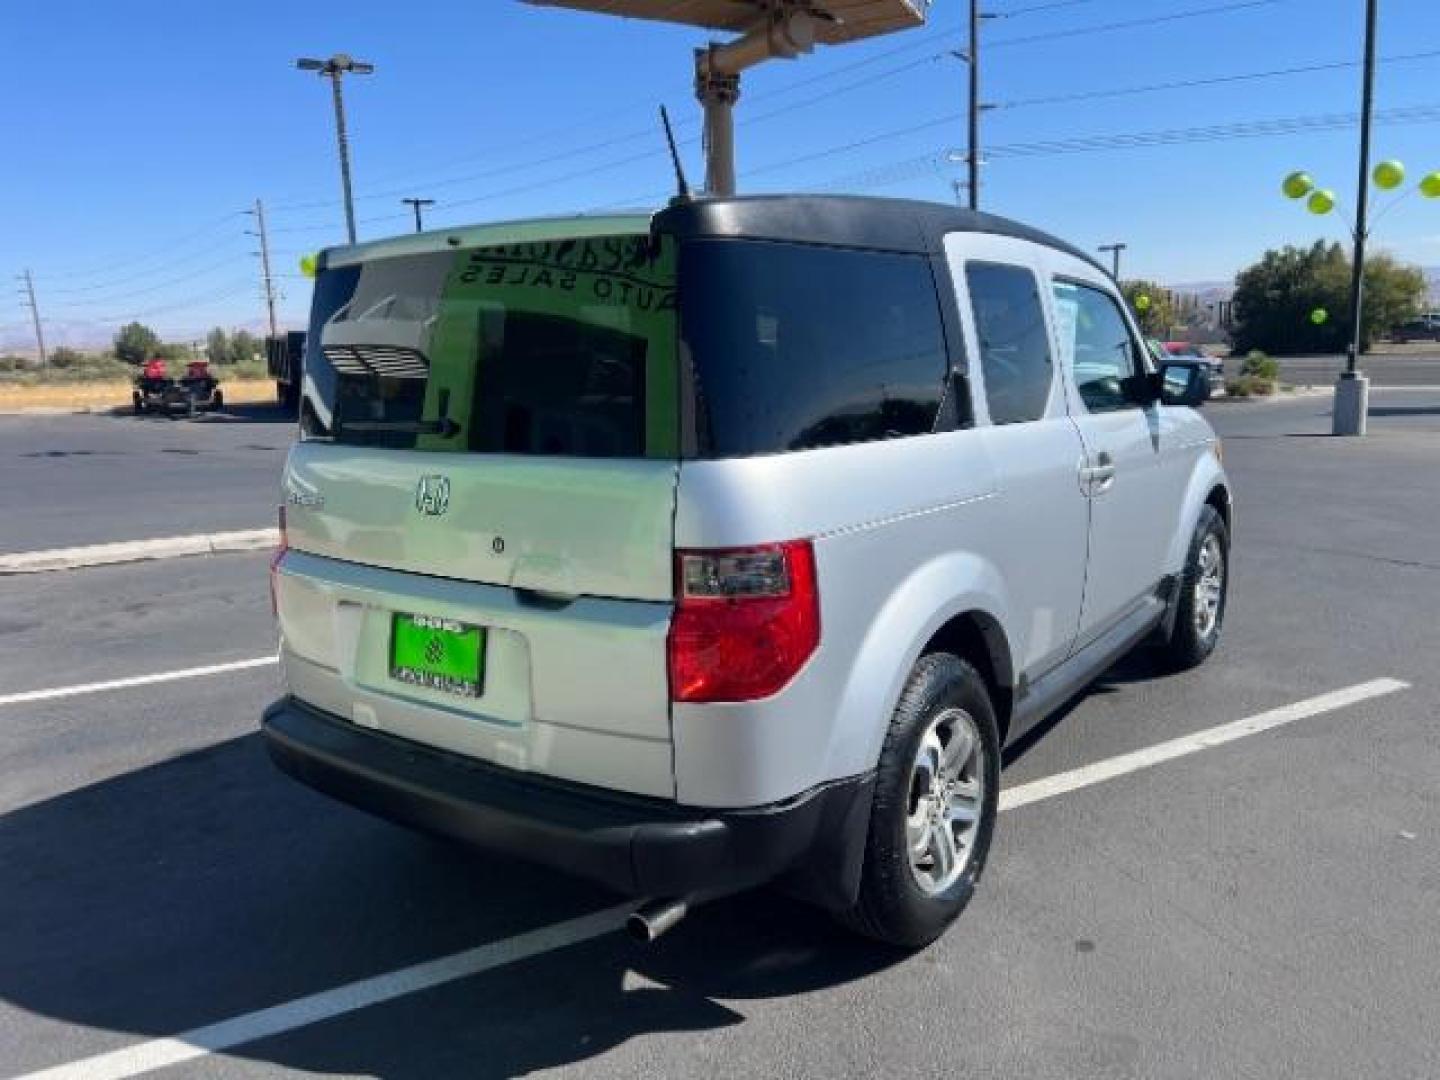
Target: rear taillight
746	620
275	560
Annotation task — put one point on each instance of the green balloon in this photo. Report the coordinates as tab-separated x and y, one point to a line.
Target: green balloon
1389	175
1142	302
1297	185
1319	316
308	265
1430	186
1321	202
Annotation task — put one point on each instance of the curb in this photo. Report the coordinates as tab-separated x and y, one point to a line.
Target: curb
127	551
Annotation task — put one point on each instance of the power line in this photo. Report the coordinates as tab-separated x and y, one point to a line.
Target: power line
1131	24
1292	125
922	165
1219	80
928	41
233	288
112	297
195	256
164	249
1034	8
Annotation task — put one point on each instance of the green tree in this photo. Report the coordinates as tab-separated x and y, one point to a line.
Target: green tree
243	347
136	343
1156	313
217	346
1276	298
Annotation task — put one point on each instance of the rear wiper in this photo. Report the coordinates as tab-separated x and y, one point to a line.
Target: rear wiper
444	426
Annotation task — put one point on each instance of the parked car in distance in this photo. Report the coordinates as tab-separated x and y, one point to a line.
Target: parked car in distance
1425	328
728	545
1185	352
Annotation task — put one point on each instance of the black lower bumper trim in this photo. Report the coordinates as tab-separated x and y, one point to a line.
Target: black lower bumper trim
637	846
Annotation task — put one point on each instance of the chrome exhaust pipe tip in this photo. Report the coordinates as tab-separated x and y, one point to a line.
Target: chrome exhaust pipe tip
651	920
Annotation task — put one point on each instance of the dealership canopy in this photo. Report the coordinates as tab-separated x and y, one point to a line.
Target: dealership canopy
768	29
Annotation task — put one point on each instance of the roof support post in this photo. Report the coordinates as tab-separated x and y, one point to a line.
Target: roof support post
786	30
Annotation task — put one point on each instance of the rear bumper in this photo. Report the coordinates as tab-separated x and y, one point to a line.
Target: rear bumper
637	846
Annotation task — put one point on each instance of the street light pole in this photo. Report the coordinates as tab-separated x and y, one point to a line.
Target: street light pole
335	69
1114	250
1352	390
416	204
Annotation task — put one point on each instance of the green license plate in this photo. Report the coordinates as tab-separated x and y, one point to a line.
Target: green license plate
438	654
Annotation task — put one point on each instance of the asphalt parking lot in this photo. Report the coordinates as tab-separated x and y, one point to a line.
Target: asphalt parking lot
95	478
1264	908
1402	365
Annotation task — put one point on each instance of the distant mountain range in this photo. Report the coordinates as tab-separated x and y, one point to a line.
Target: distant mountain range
1209	291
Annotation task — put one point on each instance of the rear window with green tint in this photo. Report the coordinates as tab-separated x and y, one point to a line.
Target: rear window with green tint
560	347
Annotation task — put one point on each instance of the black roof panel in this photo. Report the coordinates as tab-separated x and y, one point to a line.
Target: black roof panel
857	221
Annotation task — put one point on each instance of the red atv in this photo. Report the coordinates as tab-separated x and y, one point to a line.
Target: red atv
196	390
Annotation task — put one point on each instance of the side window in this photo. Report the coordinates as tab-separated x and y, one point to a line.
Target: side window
1096	342
1014	346
793	347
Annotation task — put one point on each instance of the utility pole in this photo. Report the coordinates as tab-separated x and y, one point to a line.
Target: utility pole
266	280
416	204
1352	390
971	57
1114	250
29	280
335	69
972	161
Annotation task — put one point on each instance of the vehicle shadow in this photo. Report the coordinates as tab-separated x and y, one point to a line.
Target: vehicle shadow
209	886
1137	666
258	412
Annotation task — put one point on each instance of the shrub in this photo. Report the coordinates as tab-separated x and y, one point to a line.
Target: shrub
1250	385
1261	366
65	357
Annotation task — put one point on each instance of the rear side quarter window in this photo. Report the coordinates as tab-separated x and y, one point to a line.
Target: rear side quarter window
793	346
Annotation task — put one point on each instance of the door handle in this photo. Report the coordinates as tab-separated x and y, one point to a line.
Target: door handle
1098	477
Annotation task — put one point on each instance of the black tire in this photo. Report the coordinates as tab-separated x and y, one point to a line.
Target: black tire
137	402
891	906
1190	645
217	401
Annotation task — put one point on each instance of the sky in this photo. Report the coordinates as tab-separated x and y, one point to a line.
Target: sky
138	133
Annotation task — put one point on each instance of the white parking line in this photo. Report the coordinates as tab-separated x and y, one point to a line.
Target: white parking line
327	1004
130	551
1110	768
199	1042
136	680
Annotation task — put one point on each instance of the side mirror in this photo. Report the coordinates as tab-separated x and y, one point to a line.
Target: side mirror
1184	384
1143	389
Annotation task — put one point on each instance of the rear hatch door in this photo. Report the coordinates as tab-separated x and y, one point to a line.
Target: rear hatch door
480	511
